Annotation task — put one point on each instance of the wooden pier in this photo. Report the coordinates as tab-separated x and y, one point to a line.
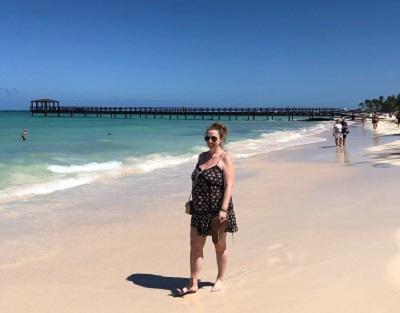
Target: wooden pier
48	107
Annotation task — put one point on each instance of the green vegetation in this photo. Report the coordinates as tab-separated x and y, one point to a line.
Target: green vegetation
390	104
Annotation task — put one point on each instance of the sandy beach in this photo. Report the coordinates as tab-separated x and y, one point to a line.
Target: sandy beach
318	232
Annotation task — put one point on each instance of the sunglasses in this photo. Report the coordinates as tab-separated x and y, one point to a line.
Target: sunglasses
213	138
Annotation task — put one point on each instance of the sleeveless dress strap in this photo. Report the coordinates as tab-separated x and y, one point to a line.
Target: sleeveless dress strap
219	158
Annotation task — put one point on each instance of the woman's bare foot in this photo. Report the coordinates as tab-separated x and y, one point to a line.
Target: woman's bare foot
218	285
190	288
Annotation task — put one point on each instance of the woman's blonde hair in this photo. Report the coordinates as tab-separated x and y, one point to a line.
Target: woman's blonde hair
222	130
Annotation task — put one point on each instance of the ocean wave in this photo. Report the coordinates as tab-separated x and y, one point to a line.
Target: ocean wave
89	167
278	140
68	176
27	191
156	161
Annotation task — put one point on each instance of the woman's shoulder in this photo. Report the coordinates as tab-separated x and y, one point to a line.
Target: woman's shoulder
226	157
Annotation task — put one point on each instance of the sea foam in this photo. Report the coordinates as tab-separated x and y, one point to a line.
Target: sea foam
27	191
89	167
278	140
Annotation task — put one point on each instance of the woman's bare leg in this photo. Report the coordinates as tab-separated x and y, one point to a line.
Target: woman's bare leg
222	262
196	261
196	257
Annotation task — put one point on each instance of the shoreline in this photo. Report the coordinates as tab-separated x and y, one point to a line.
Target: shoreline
309	235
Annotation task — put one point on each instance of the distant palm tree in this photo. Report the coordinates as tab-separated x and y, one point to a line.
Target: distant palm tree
390	103
368	104
398	102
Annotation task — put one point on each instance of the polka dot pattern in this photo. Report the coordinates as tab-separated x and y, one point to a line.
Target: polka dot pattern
208	195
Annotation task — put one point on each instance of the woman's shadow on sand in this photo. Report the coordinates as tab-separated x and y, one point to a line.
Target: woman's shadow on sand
163	282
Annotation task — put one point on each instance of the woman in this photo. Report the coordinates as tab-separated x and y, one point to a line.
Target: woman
212	182
337	133
345	131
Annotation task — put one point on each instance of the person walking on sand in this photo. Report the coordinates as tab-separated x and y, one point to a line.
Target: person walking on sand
337	133
213	214
345	130
375	120
363	119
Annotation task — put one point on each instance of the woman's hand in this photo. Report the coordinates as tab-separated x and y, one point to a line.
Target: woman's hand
222	215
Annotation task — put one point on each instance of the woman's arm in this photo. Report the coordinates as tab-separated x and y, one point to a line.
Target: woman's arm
229	178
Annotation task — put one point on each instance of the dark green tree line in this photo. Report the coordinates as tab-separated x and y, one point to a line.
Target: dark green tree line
382	104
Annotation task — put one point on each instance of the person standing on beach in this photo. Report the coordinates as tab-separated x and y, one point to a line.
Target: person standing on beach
213	214
337	133
345	130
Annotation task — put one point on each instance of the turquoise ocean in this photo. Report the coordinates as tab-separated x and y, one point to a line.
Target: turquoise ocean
63	153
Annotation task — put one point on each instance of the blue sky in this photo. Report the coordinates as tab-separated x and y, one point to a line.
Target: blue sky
264	53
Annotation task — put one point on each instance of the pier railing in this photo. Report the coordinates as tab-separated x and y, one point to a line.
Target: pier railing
183	111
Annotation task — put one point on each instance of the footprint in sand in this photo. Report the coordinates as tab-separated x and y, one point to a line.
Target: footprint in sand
239	272
278	257
276	246
279	260
393	266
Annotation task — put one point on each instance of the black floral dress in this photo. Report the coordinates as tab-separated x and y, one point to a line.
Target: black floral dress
207	195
